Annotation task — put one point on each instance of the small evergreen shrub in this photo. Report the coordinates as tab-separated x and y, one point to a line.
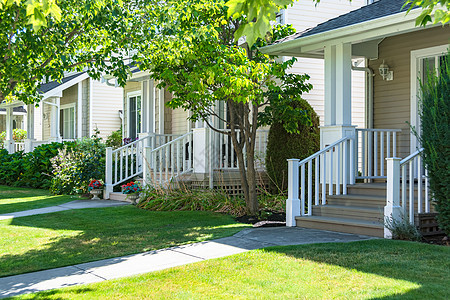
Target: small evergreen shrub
282	145
115	139
435	139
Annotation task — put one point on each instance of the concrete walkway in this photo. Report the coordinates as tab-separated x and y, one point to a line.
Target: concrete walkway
77	204
248	239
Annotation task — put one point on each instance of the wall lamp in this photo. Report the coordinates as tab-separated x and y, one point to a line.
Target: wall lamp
385	72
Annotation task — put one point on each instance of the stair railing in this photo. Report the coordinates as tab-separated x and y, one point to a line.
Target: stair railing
328	170
401	197
169	161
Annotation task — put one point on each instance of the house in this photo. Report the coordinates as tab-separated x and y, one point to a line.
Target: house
182	149
397	55
70	109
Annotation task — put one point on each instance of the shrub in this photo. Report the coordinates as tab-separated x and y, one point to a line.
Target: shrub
435	139
282	146
402	230
75	167
19	135
115	139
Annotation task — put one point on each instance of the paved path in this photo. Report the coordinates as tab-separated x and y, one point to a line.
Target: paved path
77	204
247	239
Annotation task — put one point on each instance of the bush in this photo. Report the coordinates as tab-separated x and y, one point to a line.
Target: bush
19	135
115	139
402	230
282	146
74	167
435	139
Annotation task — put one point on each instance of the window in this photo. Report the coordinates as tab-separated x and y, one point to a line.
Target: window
134	106
67	121
431	65
279	19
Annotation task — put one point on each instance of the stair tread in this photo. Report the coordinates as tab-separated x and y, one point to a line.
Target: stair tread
349	207
378	185
358	196
342	221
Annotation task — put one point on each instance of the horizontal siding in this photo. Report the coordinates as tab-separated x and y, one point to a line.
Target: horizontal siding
392	108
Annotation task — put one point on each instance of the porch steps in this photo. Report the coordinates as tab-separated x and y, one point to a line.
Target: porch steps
118	196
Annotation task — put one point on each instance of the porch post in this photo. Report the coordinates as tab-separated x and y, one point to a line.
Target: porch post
54	121
144	107
9	141
80	111
30	128
392	210
330	85
292	202
161	111
201	143
344	84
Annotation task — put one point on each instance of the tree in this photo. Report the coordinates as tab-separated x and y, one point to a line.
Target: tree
260	14
193	53
40	40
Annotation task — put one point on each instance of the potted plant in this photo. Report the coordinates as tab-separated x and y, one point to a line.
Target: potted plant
95	188
132	190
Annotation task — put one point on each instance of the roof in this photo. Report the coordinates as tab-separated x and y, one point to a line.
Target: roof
376	10
18	109
54	84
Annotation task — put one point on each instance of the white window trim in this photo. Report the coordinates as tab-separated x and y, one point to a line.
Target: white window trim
416	56
71	105
131	95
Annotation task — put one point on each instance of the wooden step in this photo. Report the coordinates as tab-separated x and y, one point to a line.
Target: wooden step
357	200
370	189
346	225
118	197
350	212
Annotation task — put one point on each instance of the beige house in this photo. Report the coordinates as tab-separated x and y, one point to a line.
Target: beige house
397	55
69	110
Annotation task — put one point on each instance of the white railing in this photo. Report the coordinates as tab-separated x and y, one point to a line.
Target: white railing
326	171
374	146
224	156
19	147
169	161
126	162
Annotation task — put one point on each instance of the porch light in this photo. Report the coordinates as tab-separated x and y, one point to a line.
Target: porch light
385	72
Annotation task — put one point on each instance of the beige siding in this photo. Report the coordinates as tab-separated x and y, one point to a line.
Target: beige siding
392	106
305	14
168	121
38	122
180	121
129	88
46	121
106	103
85	86
18	118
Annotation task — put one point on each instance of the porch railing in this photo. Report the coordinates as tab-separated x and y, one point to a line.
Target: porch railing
19	147
126	162
326	171
374	146
224	156
169	161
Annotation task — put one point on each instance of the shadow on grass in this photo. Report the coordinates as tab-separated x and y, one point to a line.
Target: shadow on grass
8	192
423	264
94	234
28	203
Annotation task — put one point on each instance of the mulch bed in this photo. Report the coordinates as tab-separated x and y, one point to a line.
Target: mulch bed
442	240
266	218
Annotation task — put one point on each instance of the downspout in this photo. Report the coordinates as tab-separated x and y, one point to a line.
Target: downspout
369	98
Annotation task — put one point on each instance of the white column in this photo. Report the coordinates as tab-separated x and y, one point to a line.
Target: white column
292	202
344	84
161	111
54	121
392	210
80	111
201	143
30	128
144	106
9	141
152	106
330	85
108	173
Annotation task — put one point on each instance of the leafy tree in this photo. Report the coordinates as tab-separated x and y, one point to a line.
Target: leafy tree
40	39
193	53
441	9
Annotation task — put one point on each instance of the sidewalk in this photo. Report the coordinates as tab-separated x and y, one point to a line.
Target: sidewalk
77	204
247	239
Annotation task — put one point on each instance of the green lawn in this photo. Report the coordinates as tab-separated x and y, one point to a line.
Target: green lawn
18	199
69	237
375	269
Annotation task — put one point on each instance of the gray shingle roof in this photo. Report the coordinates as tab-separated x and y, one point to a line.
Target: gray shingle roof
376	10
19	109
54	84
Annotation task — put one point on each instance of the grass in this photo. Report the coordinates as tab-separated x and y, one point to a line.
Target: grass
375	269
17	199
70	237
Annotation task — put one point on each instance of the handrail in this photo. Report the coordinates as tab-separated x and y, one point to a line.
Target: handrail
327	148
172	142
131	144
378	130
411	156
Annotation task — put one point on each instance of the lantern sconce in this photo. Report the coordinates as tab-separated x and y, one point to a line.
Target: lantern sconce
385	72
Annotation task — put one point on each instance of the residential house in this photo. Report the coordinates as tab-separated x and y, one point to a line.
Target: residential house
397	55
71	109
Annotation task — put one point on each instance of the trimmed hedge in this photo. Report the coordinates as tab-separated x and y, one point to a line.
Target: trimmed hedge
282	146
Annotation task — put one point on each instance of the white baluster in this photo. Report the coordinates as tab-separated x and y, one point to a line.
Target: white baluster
338	171
317	180
324	178
310	188
419	184
345	167
382	153
375	153
302	189
411	192
330	184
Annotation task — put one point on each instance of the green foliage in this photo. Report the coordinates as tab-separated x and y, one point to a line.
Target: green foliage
299	146
440	9
29	169
115	139
403	230
74	167
19	135
40	39
435	139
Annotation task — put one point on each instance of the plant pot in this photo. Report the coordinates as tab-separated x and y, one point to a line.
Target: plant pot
133	198
96	193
